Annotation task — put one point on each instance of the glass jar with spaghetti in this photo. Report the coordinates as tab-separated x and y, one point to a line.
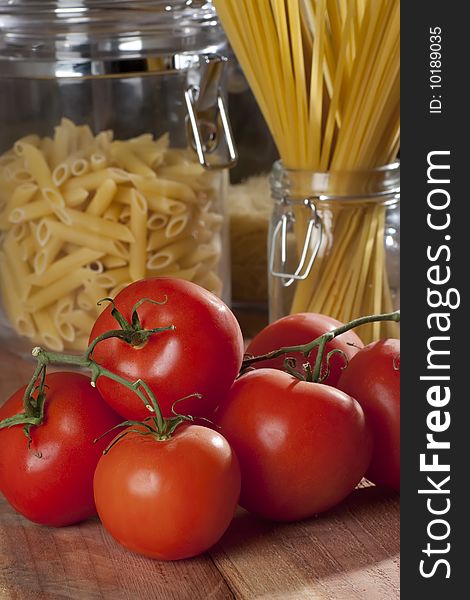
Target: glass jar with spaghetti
114	152
334	244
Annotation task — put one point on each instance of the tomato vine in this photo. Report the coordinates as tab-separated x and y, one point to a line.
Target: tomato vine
133	333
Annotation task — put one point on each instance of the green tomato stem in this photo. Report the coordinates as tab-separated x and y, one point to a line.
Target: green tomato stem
131	333
33	413
320	342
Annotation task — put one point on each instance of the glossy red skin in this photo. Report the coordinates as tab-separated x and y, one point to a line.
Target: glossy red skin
373	378
203	355
52	482
302	328
168	499
302	447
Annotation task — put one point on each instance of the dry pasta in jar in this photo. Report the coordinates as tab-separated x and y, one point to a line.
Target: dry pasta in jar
83	215
250	207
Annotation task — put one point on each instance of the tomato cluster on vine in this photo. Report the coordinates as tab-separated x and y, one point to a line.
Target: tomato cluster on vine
178	426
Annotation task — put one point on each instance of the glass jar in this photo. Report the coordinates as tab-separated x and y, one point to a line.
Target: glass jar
249	201
334	245
114	153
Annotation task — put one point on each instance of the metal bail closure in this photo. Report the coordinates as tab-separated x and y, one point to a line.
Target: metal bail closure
311	246
207	114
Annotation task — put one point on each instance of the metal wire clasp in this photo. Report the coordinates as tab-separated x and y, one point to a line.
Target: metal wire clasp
207	114
312	242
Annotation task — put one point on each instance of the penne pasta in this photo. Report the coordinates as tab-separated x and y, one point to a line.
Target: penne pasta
17	316
113	277
81	237
177	225
21	176
46	146
60	174
170	254
113	213
95	224
63	306
11	168
156	222
82	216
17	266
113	262
27	248
39	169
32	139
125	214
203	253
103	198
211	282
58	269
96	267
19	231
94	294
98	161
75	197
81	320
48	295
60	147
93	180
30	212
79	166
85	138
7	158
8	280
65	329
53	196
103	140
21	195
47	330
129	161
79	344
161	205
167	206
46	255
159	239
138	226
166	188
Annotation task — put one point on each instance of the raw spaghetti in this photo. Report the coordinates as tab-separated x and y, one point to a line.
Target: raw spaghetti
326	74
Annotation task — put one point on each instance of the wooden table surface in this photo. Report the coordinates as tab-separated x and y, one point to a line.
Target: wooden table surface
350	553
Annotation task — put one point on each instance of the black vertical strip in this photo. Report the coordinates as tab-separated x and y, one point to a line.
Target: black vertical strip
435	268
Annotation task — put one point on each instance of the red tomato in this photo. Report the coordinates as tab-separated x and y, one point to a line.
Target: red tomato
373	378
168	499
52	481
202	355
302	446
302	328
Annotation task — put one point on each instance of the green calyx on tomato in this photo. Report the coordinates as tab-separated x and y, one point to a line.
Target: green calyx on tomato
151	426
202	354
156	352
49	479
169	499
131	332
225	330
35	393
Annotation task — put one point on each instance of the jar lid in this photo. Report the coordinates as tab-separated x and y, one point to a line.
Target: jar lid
88	38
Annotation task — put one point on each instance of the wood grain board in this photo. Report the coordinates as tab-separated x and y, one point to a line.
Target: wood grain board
349	553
